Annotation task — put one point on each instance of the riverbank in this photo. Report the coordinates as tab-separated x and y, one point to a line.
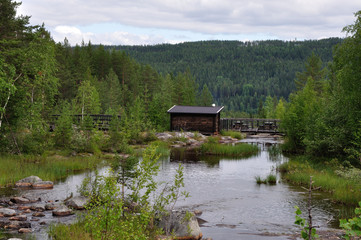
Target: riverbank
343	181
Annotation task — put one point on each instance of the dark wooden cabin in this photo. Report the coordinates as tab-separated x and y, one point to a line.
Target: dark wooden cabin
205	120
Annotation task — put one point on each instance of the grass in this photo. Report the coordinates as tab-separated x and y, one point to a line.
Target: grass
72	231
270	179
238	150
324	175
233	134
50	168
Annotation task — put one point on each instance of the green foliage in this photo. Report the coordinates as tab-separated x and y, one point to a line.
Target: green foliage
352	226
304	226
233	134
238	74
328	176
109	214
205	98
239	150
270	179
14	168
64	129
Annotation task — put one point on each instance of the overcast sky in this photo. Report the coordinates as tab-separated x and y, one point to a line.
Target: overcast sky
139	22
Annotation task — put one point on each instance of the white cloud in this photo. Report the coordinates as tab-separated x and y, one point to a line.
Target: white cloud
284	19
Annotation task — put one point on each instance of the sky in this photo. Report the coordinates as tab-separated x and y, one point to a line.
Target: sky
150	22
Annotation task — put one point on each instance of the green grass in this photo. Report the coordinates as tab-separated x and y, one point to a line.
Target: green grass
238	150
72	231
233	134
51	168
343	190
270	179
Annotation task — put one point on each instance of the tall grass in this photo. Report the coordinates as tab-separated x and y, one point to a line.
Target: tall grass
14	168
233	134
238	150
343	190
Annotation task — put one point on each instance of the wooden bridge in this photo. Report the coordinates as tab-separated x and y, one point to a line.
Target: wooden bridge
251	125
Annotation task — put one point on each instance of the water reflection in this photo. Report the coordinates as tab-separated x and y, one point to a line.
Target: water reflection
233	205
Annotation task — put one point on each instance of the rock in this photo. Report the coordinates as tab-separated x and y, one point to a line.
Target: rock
77	203
21	208
50	206
182	224
26	211
38	214
19	200
42	223
18	218
7	212
25	230
3	224
33	197
38	207
14	239
43	185
197	212
62	211
17	225
27	182
34	219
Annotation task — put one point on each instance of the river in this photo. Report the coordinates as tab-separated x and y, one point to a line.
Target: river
233	205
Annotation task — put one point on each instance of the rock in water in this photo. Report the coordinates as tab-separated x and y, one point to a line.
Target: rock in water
182	224
62	211
19	200
7	212
43	185
77	203
27	182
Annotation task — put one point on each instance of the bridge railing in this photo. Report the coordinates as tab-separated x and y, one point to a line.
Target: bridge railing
254	125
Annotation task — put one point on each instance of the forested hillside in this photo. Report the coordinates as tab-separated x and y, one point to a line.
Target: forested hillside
239	75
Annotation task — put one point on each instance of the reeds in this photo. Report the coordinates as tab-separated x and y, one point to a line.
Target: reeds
343	190
233	134
237	150
14	168
270	179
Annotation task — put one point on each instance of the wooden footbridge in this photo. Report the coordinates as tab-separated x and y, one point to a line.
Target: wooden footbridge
251	125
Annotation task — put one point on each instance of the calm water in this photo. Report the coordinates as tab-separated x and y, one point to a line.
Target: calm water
234	206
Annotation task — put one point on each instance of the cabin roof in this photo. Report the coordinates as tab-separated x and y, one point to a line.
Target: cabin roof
195	109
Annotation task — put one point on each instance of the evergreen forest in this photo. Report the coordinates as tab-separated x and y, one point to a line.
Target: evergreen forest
240	75
40	78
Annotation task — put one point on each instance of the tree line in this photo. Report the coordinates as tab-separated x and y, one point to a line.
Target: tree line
40	78
240	75
323	117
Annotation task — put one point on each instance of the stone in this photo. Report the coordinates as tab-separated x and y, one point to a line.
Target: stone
26	211
33	197
19	200
62	211
21	208
3	224
197	212
34	219
38	214
182	224
27	182
50	206
25	230
43	185
7	212
78	202
38	207
42	223
17	225
18	218
14	239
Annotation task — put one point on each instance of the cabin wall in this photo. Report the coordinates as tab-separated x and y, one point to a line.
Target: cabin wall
203	123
